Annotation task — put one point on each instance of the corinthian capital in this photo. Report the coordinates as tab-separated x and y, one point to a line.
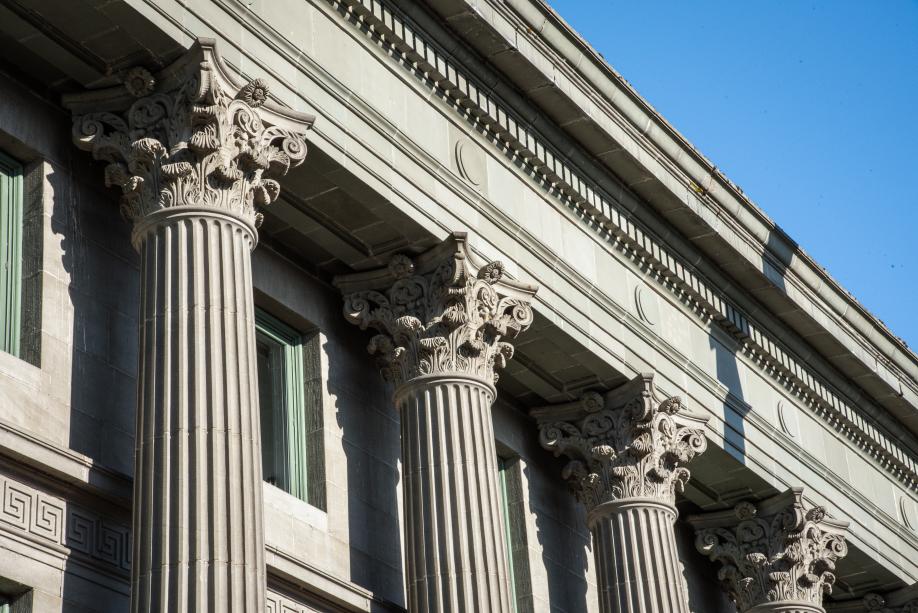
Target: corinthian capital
438	314
630	443
776	551
190	136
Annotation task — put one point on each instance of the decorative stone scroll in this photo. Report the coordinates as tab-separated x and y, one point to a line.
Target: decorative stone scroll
776	555
439	313
190	137
629	444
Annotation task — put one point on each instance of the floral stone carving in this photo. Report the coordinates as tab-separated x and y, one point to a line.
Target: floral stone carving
773	551
629	443
438	314
190	137
874	603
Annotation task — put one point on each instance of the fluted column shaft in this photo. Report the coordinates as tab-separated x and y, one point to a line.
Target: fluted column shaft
455	541
198	527
637	564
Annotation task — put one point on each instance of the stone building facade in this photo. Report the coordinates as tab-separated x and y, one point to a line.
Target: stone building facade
387	305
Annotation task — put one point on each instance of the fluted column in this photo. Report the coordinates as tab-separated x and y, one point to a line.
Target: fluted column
776	556
443	322
194	154
627	452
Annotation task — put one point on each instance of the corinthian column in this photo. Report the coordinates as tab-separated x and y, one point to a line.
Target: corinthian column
443	324
194	154
627	453
776	556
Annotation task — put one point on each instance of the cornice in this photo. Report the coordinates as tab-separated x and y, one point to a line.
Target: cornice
409	46
724	201
340	94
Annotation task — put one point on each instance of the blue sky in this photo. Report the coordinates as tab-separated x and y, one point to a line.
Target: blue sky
810	107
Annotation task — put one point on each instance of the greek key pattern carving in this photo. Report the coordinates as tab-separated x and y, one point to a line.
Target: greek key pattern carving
55	521
280	604
773	551
629	444
192	138
439	314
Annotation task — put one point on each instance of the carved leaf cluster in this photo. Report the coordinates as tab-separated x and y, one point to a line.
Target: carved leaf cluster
635	451
200	146
448	321
786	556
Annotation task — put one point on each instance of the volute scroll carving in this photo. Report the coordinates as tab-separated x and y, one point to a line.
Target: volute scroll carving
630	443
190	136
776	551
440	313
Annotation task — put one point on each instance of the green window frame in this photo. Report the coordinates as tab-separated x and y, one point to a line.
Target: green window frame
281	391
510	481
10	255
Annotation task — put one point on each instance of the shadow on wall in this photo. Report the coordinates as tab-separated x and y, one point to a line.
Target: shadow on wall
734	412
103	291
370	441
700	575
564	539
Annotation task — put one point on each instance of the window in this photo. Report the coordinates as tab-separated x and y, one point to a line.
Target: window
10	255
281	396
511	489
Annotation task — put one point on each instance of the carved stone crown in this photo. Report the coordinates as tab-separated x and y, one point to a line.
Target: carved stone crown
629	443
190	136
440	313
773	551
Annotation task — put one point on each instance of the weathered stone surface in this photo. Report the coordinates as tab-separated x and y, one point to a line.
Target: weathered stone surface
776	555
442	320
194	154
627	452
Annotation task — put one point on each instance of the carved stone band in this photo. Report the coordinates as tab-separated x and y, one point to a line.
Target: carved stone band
773	552
191	136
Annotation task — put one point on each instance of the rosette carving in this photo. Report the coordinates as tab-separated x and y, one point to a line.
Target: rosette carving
874	603
439	313
191	136
773	551
629	443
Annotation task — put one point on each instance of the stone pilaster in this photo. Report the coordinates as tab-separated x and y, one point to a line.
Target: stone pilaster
628	451
195	154
443	323
776	556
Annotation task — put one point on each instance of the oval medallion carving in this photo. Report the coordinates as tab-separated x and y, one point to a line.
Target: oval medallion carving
470	162
907	512
787	419
647	307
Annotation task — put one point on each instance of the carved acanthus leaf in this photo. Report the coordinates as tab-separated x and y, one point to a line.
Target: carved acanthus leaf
776	550
190	137
439	314
628	444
